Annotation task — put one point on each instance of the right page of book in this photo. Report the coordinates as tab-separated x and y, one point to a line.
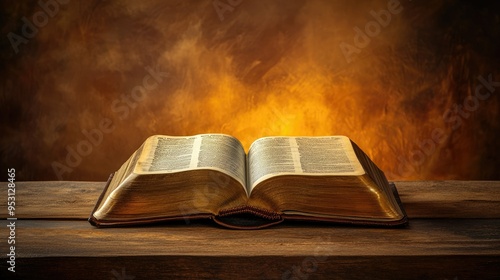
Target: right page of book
328	155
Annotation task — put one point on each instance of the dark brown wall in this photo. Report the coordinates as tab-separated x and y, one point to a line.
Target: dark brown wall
404	90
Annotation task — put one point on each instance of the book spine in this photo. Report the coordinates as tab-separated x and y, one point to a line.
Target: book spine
266	214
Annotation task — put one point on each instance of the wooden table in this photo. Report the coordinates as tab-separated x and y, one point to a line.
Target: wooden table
454	233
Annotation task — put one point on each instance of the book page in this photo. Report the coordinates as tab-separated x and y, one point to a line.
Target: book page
163	154
169	154
327	155
223	152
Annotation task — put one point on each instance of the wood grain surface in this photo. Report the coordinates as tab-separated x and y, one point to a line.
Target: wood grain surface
454	233
421	199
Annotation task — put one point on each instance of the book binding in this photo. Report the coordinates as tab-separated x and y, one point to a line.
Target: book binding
247	217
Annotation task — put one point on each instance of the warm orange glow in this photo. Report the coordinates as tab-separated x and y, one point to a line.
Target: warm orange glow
265	68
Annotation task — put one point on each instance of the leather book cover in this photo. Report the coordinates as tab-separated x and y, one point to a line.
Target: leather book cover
246	217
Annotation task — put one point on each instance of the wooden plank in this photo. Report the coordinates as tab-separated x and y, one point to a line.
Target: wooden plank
424	237
50	248
429	249
450	199
422	199
54	199
265	267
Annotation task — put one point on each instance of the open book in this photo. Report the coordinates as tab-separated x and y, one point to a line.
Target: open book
325	178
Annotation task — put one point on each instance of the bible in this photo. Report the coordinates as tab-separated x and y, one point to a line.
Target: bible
323	178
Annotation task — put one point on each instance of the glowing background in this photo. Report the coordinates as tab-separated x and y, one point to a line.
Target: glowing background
262	68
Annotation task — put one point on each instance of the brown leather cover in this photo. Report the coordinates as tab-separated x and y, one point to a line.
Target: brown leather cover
247	217
399	223
272	218
95	222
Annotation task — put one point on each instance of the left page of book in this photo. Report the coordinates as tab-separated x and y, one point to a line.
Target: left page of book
165	154
170	177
